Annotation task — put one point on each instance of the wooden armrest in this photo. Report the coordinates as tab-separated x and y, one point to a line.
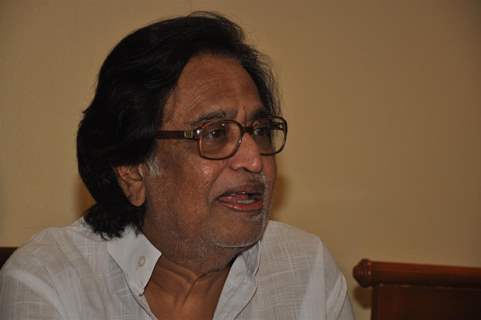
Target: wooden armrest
372	273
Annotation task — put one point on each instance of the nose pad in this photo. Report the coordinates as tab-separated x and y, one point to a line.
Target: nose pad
248	155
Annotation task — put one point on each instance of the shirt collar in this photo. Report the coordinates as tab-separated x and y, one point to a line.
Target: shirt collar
240	285
251	258
136	256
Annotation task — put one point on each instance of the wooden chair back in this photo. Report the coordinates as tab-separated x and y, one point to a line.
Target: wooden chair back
404	291
5	253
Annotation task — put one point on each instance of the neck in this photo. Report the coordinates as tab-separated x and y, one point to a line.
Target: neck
181	279
177	290
196	255
180	273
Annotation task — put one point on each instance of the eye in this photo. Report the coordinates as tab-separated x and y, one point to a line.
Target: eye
215	132
262	131
277	126
262	128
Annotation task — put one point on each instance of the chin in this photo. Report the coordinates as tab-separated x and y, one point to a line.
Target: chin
242	233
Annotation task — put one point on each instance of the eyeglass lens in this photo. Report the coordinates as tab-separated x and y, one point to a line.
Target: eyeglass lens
221	139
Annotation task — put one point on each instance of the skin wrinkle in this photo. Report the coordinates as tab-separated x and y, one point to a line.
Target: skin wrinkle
197	234
265	210
182	96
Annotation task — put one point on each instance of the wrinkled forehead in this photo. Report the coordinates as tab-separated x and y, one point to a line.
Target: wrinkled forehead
211	83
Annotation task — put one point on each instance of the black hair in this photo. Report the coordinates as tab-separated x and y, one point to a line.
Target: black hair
137	77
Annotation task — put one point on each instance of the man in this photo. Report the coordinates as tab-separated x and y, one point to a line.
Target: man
177	148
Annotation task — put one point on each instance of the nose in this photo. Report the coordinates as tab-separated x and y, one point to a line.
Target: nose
248	156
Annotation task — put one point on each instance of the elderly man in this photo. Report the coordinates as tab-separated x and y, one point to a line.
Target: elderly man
178	150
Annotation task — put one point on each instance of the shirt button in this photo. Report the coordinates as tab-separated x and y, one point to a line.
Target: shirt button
141	261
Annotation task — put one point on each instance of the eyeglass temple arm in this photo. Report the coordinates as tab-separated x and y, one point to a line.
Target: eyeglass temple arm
174	134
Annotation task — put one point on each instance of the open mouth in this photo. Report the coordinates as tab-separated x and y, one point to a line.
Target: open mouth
243	200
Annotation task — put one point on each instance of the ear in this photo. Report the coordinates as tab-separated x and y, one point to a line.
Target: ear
132	183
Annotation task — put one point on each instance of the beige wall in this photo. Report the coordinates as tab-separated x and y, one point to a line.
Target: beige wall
383	101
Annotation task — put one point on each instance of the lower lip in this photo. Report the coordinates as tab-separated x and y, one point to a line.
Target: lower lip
254	206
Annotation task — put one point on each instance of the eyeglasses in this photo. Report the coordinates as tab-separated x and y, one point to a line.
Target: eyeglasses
221	139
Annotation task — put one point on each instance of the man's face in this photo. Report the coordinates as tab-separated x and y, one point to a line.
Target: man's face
199	204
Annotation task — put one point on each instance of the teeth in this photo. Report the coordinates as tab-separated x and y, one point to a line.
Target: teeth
246	201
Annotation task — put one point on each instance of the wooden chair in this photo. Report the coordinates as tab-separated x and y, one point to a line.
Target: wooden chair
5	253
403	291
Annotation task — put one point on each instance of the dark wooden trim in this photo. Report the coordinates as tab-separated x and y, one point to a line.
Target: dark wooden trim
5	253
372	273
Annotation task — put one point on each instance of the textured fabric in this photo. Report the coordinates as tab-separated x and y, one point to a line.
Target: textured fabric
72	273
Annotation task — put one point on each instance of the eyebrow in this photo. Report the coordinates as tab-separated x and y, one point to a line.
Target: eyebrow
262	112
220	114
217	114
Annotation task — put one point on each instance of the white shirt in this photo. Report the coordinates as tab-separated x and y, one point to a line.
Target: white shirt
73	273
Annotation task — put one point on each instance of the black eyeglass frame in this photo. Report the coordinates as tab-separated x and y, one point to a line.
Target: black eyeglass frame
195	135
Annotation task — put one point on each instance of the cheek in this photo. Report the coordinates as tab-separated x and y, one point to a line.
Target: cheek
184	184
193	184
207	174
270	171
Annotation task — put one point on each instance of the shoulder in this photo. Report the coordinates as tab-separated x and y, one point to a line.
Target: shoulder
48	272
53	249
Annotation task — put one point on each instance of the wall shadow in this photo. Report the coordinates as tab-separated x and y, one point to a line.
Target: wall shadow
363	296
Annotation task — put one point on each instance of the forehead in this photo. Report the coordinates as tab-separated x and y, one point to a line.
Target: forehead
212	84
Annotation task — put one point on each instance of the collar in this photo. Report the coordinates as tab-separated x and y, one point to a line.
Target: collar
136	256
240	285
251	258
